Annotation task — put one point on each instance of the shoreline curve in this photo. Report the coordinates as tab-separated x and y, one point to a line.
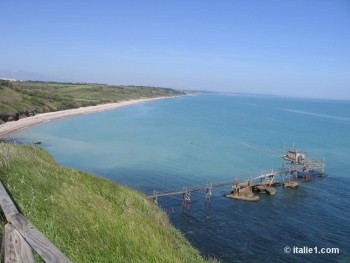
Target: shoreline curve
13	126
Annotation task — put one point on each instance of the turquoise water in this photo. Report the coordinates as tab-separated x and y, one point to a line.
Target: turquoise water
190	141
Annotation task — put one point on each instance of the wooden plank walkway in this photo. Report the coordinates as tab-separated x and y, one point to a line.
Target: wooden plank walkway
196	189
204	188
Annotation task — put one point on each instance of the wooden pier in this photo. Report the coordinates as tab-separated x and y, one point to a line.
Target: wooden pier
268	177
298	166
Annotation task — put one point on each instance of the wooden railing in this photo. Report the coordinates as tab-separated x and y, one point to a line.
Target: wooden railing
20	237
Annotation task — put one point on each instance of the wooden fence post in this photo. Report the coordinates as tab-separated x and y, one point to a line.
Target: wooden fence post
42	245
16	249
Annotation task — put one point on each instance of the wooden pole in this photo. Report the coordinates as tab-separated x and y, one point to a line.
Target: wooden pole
16	249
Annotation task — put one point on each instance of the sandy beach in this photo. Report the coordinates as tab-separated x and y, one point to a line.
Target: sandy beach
12	126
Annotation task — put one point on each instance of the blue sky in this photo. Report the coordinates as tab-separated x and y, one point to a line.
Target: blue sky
289	48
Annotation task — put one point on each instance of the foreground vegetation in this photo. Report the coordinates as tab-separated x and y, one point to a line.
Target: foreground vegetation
89	218
27	96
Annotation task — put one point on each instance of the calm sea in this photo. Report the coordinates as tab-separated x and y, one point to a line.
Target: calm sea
190	141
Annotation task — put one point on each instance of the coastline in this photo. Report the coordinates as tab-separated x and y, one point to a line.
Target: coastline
13	126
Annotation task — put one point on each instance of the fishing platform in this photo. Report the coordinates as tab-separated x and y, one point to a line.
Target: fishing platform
295	167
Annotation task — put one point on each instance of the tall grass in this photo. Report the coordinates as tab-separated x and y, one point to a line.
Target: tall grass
89	218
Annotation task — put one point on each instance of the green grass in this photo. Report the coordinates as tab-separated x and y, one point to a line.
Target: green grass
88	218
21	96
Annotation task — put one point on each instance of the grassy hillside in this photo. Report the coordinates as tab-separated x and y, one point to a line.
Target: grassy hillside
52	96
88	218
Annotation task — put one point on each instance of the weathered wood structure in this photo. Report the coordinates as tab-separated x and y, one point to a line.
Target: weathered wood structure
295	164
20	237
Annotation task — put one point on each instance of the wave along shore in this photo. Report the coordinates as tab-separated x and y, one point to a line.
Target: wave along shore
10	127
